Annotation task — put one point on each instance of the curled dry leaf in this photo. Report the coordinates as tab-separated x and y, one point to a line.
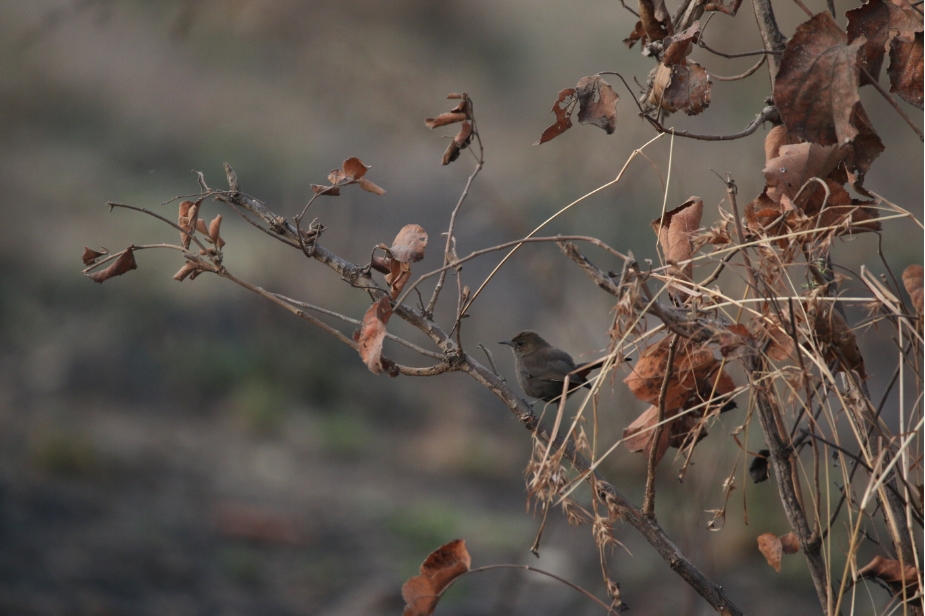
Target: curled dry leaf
894	574
90	256
912	280
189	269
563	107
460	142
371	335
656	22
777	137
125	263
353	171
597	103
674	232
880	22
637	35
816	89
693	364
639	435
460	112
187	220
422	592
906	69
327	191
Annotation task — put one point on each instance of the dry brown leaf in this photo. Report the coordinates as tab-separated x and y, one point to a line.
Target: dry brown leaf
681	86
460	142
893	573
563	107
371	335
187	220
679	46
790	543
772	549
637	35
906	69
656	22
692	365
796	164
327	191
125	263
639	435
368	186
398	276
409	244
597	103
776	137
881	22
422	592
188	269
674	232
460	112
780	344
90	256
816	89
354	168
912	280
214	228
837	339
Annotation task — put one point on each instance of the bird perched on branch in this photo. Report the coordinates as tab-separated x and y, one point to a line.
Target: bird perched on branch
542	368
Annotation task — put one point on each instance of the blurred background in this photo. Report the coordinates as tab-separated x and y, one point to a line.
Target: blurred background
188	448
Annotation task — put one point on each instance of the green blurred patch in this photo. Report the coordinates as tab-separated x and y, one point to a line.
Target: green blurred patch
260	406
425	526
346	433
241	564
64	453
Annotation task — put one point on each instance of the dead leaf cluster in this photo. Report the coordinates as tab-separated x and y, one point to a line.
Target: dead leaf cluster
678	83
353	171
696	378
597	104
462	112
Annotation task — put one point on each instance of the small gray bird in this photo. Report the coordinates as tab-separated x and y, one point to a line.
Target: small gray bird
541	367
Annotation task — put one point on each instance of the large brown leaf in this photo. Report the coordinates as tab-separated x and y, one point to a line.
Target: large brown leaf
795	164
906	69
674	232
681	86
879	22
597	103
370	337
817	86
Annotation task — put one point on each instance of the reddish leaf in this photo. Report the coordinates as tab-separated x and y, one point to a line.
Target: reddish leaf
398	276
186	220
655	19
370	337
637	35
214	228
563	110
837	340
772	549
409	244
912	280
422	592
679	46
189	268
125	263
598	103
880	22
89	256
906	69
354	168
816	89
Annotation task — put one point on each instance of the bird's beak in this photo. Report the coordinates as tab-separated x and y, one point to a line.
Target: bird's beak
507	342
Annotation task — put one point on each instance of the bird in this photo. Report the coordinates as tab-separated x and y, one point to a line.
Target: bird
542	368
